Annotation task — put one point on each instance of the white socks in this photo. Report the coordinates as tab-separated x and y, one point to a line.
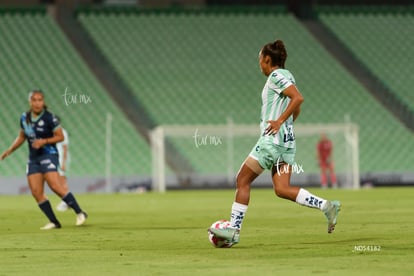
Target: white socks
307	199
238	211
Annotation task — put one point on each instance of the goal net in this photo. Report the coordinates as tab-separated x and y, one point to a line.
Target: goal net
209	156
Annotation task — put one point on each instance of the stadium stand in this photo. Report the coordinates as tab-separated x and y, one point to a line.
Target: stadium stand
390	30
185	67
200	67
36	54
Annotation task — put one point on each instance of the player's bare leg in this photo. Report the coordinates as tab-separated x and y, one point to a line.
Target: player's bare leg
281	184
36	187
248	172
36	182
53	180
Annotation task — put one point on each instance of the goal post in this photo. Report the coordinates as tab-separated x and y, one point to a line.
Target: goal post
216	152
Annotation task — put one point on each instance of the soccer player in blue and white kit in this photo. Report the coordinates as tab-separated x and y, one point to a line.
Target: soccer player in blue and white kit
275	149
42	131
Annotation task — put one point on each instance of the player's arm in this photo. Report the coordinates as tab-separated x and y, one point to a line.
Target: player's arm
57	137
15	145
296	99
296	113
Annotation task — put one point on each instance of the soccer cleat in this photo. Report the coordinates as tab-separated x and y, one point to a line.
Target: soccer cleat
230	234
51	225
81	218
331	213
62	206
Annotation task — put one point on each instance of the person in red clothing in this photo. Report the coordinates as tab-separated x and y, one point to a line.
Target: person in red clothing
326	164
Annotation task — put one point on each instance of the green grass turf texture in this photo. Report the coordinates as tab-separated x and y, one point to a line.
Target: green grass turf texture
166	234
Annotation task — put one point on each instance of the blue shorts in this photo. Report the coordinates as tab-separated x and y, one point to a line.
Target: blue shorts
43	164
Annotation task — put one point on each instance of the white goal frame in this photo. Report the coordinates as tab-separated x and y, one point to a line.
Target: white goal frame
229	131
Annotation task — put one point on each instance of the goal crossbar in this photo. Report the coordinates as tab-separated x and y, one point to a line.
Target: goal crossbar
159	134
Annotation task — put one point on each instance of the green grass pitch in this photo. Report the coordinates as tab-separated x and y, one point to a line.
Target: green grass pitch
166	234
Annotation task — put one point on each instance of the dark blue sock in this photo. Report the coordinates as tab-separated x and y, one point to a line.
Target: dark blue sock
47	210
71	201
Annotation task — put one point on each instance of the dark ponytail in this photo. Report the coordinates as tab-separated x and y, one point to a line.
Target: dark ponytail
28	117
277	52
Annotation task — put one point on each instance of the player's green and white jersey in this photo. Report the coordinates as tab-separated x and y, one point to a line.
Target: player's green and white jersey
274	103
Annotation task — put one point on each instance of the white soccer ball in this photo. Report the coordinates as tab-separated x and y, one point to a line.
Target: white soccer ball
217	241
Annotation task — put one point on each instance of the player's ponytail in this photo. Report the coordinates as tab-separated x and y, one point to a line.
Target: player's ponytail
28	116
280	48
277	52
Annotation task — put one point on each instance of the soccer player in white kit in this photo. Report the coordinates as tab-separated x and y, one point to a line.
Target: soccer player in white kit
275	149
64	163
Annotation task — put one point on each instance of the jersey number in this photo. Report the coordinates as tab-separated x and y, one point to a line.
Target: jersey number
289	136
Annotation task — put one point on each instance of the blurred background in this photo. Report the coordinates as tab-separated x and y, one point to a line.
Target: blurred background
116	70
